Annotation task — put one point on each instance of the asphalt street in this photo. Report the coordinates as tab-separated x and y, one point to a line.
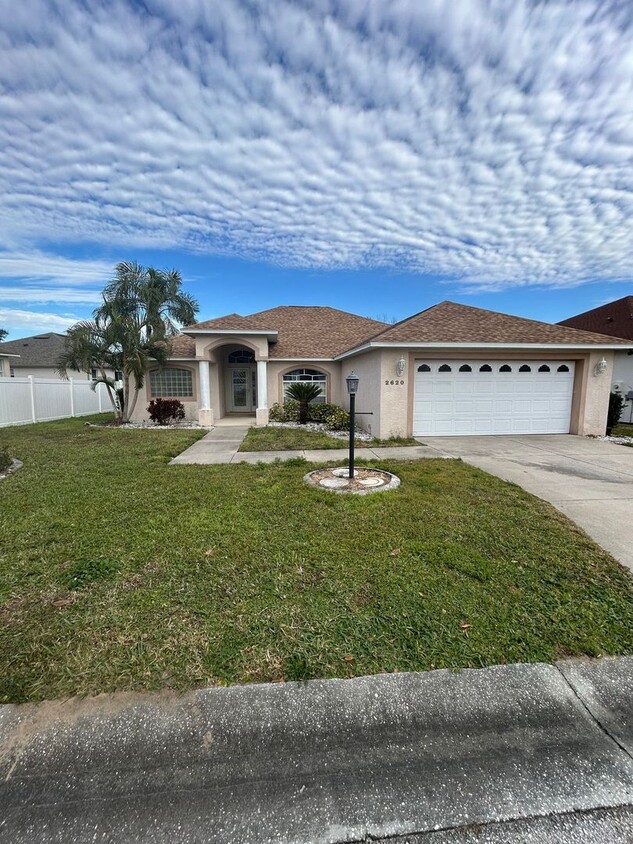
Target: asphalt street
509	753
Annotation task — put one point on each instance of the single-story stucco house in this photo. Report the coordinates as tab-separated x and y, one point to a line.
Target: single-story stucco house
451	369
616	320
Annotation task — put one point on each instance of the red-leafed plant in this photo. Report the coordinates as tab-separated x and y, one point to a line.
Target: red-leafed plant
162	411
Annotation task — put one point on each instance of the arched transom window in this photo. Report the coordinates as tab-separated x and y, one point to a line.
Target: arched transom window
309	376
171	382
242	356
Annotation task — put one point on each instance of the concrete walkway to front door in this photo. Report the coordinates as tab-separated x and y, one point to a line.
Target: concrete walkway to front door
591	481
220	445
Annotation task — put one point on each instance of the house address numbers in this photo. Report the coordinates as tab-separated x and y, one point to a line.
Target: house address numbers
395	383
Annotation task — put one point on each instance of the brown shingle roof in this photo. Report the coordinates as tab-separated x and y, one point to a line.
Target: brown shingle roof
230	322
308	331
183	347
614	319
450	322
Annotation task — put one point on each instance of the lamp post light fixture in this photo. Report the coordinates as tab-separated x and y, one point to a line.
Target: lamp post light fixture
352	388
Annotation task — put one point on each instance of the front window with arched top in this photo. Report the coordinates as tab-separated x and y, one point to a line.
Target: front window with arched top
307	376
242	356
171	382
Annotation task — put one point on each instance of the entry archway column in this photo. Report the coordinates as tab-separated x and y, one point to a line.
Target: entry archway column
205	411
261	414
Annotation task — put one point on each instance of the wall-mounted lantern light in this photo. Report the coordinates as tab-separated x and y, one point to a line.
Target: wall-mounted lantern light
400	367
601	367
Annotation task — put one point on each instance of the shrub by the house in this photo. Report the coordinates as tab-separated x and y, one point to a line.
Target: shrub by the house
334	418
286	412
164	411
616	403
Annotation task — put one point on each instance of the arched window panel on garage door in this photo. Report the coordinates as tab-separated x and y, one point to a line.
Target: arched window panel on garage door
424	368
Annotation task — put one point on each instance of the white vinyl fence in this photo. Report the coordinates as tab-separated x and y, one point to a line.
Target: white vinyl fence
24	400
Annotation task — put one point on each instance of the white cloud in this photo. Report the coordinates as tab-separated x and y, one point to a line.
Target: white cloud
30	295
36	266
17	319
488	141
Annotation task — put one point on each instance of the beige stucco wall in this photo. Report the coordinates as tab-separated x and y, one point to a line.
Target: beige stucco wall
593	411
368	367
190	404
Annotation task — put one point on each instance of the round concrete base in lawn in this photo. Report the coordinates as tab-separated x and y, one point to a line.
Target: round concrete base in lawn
363	482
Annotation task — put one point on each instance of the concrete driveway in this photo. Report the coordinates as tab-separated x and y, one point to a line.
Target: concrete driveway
590	481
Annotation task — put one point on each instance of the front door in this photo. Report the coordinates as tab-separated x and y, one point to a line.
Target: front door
242	387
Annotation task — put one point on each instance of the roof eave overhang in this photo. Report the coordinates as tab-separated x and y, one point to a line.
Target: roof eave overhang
571	347
9	355
233	332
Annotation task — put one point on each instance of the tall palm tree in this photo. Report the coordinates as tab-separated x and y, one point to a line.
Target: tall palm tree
142	307
304	393
139	314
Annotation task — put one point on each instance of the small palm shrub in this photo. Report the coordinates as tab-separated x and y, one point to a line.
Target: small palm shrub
303	393
162	411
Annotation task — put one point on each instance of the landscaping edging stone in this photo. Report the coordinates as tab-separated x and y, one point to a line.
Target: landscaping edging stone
12	469
335	479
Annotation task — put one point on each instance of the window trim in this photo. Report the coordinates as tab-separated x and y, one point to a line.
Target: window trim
160	370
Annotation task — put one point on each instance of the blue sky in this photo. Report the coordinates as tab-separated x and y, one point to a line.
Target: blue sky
377	157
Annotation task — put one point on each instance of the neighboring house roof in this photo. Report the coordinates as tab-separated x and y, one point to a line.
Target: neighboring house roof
304	331
40	350
449	322
614	319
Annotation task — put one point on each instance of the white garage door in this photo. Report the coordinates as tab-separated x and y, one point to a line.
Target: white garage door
454	397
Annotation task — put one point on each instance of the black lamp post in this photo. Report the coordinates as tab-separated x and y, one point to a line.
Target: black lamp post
352	388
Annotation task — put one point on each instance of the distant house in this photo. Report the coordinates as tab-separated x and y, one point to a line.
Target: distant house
36	356
616	320
449	370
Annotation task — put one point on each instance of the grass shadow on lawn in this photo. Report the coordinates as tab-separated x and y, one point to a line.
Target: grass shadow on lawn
118	571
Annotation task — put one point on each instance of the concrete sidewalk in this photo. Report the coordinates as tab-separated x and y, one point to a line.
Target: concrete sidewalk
221	446
519	750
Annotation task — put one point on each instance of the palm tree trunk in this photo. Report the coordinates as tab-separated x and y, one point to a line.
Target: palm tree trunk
134	400
126	399
303	413
111	395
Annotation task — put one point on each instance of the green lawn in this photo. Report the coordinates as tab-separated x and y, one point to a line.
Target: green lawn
623	431
288	439
118	571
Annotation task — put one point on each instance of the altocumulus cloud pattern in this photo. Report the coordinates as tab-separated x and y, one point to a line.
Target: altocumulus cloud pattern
491	141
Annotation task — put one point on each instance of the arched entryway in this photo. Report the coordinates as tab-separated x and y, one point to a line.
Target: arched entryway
241	381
